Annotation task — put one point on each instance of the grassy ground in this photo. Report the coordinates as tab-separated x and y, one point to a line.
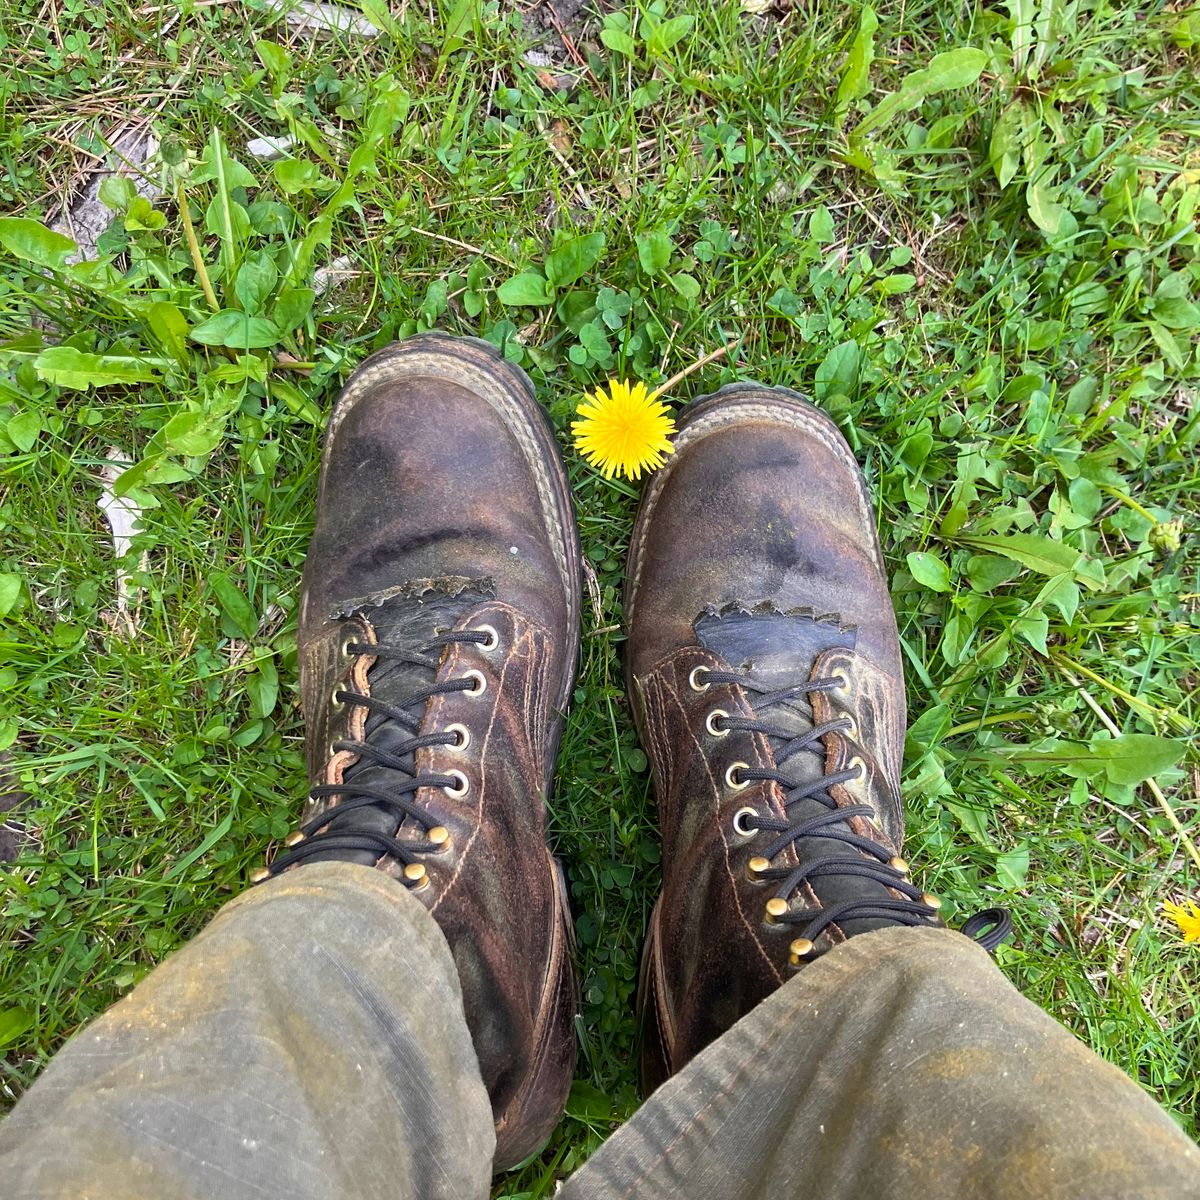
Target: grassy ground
967	232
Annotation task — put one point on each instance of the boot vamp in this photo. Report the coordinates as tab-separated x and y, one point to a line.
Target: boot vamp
761	524
755	511
443	507
422	480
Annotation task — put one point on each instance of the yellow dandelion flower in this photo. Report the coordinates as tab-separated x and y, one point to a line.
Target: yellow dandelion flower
623	430
1187	917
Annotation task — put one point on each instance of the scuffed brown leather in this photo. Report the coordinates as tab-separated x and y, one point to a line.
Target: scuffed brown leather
437	478
762	504
433	467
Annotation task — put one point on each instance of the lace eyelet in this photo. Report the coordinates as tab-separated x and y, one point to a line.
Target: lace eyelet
843	681
739	822
735	784
857	761
335	705
710	722
850	728
694	680
464	786
464	738
757	867
344	650
799	950
493	638
480	681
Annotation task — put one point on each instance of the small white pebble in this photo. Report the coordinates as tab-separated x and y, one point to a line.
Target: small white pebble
513	550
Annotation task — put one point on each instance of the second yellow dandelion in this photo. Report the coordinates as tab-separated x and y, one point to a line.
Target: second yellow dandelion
1186	916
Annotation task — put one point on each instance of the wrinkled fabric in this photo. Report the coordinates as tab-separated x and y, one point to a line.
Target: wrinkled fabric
311	1043
903	1065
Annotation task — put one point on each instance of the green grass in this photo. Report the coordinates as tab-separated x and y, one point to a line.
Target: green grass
988	279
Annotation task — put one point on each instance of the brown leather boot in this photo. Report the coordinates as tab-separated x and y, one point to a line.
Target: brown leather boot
438	638
764	667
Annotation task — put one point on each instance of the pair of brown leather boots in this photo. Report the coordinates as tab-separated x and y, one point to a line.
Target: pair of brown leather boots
438	638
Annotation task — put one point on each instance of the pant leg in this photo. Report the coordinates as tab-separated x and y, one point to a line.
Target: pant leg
309	1043
901	1064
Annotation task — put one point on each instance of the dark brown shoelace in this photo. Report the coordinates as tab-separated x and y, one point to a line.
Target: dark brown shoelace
315	838
912	907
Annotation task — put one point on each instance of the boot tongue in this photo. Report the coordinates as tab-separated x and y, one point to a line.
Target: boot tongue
412	623
779	650
410	619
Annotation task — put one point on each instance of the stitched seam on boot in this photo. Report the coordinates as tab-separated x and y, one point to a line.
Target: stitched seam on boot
527	629
546	1012
696	748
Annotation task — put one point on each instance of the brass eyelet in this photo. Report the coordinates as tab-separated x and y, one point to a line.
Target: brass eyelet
464	738
857	761
776	908
739	822
348	640
335	705
294	838
480	680
731	782
493	638
439	837
843	681
416	875
800	949
710	722
694	680
898	865
757	867
464	786
260	875
850	727
934	902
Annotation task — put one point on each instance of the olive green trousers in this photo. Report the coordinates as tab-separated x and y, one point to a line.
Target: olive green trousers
311	1043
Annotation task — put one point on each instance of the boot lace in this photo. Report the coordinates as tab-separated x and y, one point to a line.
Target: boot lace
912	907
314	837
